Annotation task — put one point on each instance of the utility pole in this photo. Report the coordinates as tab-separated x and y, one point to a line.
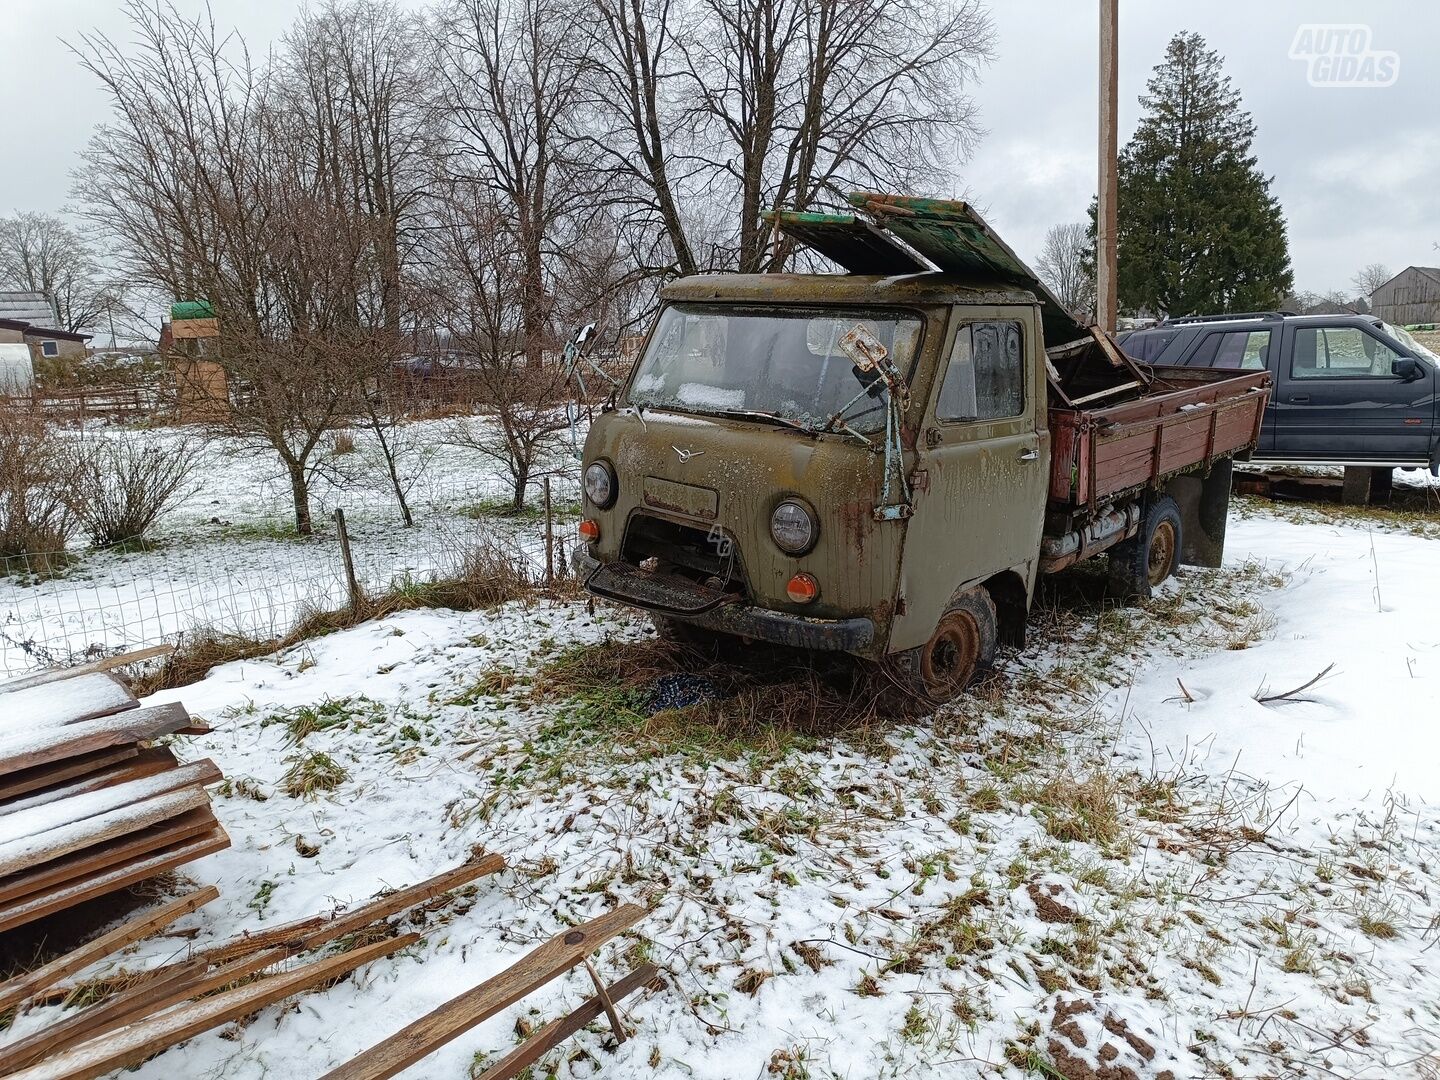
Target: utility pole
1105	301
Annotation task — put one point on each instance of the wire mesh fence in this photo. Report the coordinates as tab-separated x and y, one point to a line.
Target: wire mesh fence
257	579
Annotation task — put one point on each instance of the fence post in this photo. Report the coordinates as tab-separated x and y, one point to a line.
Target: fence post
549	539
357	598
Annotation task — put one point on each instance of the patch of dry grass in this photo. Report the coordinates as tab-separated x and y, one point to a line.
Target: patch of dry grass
310	774
756	699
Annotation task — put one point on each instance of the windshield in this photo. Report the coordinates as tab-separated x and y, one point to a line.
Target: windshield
797	365
1405	338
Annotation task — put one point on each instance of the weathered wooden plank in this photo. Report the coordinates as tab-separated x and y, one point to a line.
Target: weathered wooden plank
66	701
180	983
37	820
44	776
557	1031
92	860
316	930
105	663
28	749
29	851
137	1042
42	904
149	762
90	1021
458	1015
14	991
401	899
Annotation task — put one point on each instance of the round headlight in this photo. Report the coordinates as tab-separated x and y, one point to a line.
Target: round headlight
792	527
600	484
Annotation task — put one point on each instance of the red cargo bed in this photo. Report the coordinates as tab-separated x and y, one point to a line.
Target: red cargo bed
1187	419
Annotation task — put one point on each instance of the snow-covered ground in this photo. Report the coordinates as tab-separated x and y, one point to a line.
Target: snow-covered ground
227	558
1111	844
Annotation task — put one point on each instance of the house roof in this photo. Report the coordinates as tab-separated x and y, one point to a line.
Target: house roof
30	307
31	330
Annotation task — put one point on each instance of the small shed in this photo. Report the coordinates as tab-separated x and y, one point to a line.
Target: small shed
1410	297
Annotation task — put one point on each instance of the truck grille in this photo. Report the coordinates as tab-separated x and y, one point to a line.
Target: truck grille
706	555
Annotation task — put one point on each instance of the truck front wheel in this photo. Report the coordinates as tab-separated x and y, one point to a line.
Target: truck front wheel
1150	556
962	644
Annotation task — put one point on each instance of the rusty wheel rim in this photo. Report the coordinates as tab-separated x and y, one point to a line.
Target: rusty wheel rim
1162	552
950	656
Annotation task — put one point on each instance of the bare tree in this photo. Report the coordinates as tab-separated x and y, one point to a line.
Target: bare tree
202	181
512	92
1065	267
352	82
41	253
714	110
1369	278
478	299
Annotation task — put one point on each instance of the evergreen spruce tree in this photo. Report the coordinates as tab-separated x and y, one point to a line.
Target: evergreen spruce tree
1198	229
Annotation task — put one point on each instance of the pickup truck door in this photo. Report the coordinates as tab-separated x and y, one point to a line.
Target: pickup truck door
1337	399
983	462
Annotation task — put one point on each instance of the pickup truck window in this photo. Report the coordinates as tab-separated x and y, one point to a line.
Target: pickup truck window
1146	345
1340	352
787	364
1244	349
985	379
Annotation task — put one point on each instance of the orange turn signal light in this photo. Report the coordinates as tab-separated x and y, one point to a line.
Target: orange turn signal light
589	530
802	588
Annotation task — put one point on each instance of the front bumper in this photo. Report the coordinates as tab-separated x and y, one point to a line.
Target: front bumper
692	602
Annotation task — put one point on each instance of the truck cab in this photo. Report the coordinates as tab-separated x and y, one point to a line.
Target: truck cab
754	479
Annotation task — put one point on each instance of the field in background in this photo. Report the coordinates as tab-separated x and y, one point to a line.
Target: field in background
228	560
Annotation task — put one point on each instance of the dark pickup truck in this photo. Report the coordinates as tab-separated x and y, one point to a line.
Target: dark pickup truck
1348	389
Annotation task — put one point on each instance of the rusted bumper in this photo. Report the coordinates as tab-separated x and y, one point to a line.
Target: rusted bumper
692	602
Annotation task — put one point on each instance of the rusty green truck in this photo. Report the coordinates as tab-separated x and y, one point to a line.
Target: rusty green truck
882	461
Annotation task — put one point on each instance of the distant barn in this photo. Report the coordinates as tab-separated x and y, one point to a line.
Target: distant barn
1410	297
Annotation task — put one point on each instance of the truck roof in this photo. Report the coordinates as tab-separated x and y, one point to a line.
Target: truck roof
929	287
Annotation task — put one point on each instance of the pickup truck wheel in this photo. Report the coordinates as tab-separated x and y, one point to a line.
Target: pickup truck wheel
1150	556
962	644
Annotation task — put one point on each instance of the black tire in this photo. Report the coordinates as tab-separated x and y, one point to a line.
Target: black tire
962	645
1150	556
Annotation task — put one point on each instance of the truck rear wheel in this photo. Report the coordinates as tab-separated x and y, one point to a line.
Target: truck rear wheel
962	644
1150	556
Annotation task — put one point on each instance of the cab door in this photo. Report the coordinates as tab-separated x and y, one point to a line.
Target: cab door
983	466
1338	398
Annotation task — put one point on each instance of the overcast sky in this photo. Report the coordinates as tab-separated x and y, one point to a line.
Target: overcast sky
1356	170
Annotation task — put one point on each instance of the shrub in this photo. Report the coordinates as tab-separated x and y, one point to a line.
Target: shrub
35	516
122	484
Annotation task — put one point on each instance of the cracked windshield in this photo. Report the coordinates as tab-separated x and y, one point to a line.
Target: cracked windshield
793	365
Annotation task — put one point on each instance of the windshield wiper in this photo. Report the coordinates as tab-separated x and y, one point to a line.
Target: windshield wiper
770	417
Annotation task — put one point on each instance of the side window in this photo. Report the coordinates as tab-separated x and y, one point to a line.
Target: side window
49	348
1340	352
1146	345
985	379
1244	349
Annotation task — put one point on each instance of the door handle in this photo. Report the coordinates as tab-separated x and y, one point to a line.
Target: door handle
1299	397
1029	455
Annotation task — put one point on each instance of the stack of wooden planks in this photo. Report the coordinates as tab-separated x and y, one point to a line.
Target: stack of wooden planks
86	807
153	1009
